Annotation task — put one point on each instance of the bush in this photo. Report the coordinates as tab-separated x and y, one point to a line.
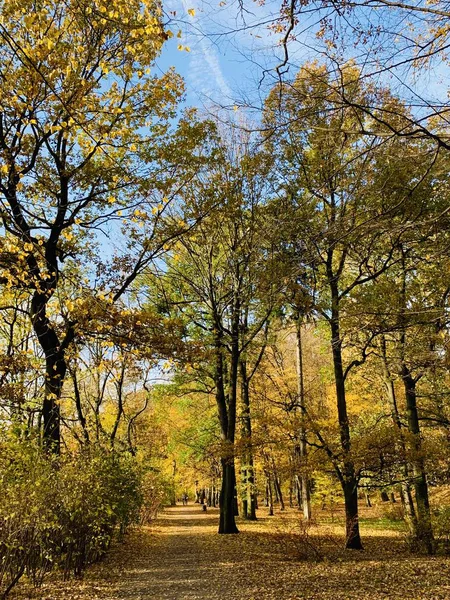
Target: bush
153	493
61	512
98	495
441	528
27	522
393	512
305	541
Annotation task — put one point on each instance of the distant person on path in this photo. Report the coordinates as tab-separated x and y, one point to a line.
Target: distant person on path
185	499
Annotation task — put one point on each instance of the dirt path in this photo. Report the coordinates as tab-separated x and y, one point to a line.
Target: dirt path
181	557
186	559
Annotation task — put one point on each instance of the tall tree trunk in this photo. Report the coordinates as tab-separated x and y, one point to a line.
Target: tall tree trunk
269	493
298	492
353	539
349	480
407	501
244	491
303	482
227	523
424	526
227	419
248	475
277	486
79	407
55	371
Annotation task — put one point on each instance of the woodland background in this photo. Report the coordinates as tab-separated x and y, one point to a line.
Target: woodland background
252	308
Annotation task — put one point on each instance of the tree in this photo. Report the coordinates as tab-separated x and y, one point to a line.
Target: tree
341	198
221	280
82	121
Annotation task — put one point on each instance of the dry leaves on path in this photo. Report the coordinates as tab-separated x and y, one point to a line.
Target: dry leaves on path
182	558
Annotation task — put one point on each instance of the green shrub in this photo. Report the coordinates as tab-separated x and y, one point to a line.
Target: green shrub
441	527
27	520
393	512
153	494
98	495
63	512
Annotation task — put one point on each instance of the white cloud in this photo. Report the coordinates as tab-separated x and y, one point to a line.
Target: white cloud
205	74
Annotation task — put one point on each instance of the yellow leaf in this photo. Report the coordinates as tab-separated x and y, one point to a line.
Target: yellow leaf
191	12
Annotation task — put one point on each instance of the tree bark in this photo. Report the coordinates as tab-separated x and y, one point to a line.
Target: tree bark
277	486
348	477
269	494
424	526
407	501
304	493
227	419
55	370
227	523
248	474
353	539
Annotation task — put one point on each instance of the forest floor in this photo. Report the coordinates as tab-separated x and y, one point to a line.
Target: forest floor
181	557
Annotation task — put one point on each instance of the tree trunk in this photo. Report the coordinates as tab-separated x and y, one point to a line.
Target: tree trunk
348	477
227	419
277	486
424	526
248	475
227	523
406	496
298	492
304	492
244	492
353	539
197	494
55	371
269	494
79	407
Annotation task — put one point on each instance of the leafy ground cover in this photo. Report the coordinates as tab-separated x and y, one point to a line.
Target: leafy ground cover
181	557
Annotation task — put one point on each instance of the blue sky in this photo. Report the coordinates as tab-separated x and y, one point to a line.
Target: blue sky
228	52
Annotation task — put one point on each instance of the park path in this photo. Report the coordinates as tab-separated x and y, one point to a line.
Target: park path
184	558
181	557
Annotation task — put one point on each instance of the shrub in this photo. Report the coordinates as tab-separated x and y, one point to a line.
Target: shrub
393	512
305	541
27	520
441	527
153	493
98	495
61	512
